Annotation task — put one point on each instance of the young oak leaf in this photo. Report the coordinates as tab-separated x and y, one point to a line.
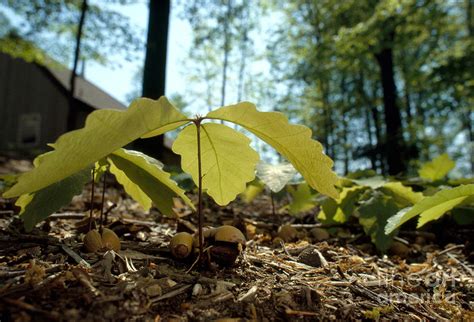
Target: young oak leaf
294	142
105	131
402	195
38	205
373	216
144	179
301	199
253	189
228	162
437	169
432	207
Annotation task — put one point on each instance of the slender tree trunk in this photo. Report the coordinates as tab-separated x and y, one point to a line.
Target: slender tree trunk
345	130
226	51
372	156
72	115
154	72
394	138
365	102
378	131
469	119
327	119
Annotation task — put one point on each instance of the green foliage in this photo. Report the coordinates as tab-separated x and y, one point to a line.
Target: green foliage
228	162
253	189
343	208
402	195
144	179
431	208
294	142
105	132
38	205
373	216
52	26
437	169
302	199
226	159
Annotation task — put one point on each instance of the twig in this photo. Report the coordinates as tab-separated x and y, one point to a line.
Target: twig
102	202
171	294
75	256
92	198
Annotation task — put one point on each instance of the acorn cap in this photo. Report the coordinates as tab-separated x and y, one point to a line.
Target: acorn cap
229	234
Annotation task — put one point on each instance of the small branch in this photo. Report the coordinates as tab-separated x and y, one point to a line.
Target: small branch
102	203
273	203
200	219
92	198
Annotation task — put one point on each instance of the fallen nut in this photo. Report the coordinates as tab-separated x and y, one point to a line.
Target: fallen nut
93	241
319	234
227	244
288	233
181	245
229	234
110	240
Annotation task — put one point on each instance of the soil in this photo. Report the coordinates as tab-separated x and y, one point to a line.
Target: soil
311	273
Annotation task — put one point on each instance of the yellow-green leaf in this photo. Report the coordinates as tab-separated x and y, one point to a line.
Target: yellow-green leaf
252	191
437	169
339	210
431	208
37	206
144	179
301	199
105	131
228	162
373	216
402	195
294	142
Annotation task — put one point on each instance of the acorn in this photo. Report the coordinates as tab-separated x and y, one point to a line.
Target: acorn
110	240
93	241
227	245
288	233
229	234
181	245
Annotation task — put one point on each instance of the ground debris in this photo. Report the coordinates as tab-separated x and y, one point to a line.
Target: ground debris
47	275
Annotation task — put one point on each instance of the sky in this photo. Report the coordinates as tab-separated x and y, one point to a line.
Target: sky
119	81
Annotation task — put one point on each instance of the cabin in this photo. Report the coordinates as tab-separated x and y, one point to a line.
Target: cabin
34	104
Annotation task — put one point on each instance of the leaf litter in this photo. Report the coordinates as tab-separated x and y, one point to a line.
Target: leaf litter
47	275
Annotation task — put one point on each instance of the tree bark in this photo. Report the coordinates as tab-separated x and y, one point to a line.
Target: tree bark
394	139
72	114
154	72
226	51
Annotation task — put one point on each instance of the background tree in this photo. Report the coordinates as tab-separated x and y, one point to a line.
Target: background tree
154	71
52	27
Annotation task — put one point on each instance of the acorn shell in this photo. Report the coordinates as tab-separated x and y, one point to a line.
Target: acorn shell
110	240
93	241
181	245
229	234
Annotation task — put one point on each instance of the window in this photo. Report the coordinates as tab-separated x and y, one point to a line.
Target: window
29	129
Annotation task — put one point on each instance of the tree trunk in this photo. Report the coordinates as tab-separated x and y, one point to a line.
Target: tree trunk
226	51
154	72
469	123
364	100
394	140
72	115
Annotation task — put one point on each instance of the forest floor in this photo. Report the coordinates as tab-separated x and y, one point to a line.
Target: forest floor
47	275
